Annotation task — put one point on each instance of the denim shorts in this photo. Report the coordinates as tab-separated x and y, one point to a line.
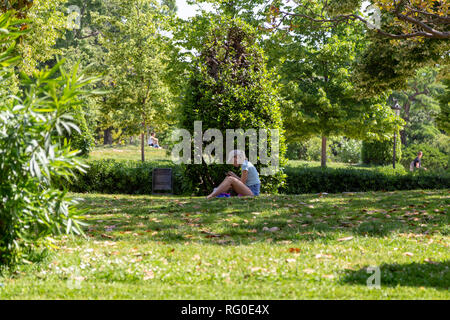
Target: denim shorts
255	188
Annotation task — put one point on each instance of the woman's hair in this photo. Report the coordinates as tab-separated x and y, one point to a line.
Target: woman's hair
236	153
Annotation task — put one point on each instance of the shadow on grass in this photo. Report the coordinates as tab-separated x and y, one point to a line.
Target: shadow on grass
247	220
434	274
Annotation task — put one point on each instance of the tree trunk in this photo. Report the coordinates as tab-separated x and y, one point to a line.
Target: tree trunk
143	142
323	158
403	138
107	136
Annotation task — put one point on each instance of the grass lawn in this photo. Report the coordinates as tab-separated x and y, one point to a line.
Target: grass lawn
131	152
270	247
128	152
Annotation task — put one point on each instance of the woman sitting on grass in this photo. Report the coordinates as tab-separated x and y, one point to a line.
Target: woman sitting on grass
246	185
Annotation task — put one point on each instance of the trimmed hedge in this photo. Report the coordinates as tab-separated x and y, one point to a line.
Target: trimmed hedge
124	177
333	180
135	177
381	152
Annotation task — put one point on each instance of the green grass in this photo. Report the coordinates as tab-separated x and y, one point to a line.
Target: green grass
132	152
147	247
128	152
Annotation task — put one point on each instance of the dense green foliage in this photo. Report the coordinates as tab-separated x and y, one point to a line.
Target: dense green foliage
33	154
432	158
230	88
319	91
84	139
339	149
443	119
135	177
126	177
381	152
314	180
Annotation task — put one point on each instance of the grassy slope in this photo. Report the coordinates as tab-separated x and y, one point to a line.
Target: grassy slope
143	247
128	152
131	152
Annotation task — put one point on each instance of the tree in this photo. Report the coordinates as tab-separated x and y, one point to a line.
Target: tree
443	119
315	66
405	19
230	88
380	153
39	46
411	34
132	36
420	98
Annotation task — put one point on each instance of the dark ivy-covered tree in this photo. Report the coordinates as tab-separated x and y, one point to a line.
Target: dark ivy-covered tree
231	88
443	119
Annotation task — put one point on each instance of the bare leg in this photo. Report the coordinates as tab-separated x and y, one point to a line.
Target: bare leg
231	182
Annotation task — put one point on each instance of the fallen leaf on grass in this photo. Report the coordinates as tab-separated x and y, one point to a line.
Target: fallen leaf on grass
273	229
106	236
149	275
345	239
427	260
320	256
292	250
409	254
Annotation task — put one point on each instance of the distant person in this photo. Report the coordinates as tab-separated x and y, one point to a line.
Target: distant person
153	141
417	163
246	185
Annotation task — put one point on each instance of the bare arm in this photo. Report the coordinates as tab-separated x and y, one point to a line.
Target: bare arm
244	176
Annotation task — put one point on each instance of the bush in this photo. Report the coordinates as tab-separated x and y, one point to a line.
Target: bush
135	177
125	177
296	151
230	88
309	150
314	180
432	158
83	140
32	157
346	150
380	152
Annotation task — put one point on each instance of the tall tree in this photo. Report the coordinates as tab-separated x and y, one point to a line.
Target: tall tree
420	99
404	19
136	58
409	34
316	71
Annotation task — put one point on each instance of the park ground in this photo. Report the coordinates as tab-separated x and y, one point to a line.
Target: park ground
270	247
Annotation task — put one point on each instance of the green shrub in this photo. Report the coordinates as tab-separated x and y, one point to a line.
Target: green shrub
32	158
230	88
380	152
135	177
296	151
124	177
346	150
309	150
314	180
83	140
432	158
